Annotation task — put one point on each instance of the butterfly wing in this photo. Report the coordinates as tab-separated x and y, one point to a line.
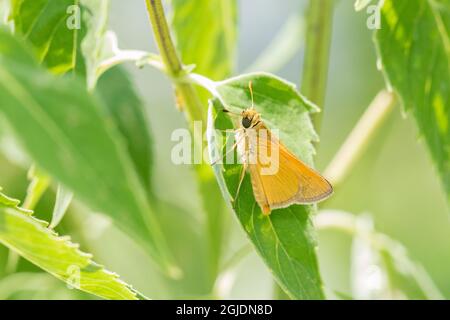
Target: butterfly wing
293	182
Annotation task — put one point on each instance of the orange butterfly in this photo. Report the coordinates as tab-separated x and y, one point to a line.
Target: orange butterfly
292	181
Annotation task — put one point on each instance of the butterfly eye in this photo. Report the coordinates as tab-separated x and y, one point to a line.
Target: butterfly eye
246	122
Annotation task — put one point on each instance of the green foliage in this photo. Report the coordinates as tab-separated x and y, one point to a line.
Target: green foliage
31	238
43	25
126	108
206	36
95	20
83	149
414	48
66	34
21	284
205	32
90	136
62	202
285	239
381	267
403	274
278	101
39	182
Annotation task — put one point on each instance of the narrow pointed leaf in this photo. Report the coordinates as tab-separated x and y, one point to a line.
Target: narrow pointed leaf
63	199
31	238
414	49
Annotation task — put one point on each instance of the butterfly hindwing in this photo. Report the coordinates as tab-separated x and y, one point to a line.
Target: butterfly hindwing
292	181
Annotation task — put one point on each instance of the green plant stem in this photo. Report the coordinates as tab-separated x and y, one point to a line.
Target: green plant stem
356	226
188	97
339	220
315	66
283	47
361	135
172	62
12	261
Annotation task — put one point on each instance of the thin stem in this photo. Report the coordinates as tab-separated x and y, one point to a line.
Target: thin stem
361	227
188	98
315	66
185	91
360	136
283	47
163	38
339	220
12	262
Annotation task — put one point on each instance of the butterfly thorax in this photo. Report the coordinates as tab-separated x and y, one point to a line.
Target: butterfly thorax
251	133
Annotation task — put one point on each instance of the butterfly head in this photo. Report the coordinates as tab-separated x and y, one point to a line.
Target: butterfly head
250	118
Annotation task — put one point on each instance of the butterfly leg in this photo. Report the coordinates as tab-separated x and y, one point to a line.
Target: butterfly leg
241	179
229	151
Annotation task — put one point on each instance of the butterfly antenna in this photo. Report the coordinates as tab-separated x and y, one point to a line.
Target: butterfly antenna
250	86
230	112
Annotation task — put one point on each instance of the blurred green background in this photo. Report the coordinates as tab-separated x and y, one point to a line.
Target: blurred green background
395	180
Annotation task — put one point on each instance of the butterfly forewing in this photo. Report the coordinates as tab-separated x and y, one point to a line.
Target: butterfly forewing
292	182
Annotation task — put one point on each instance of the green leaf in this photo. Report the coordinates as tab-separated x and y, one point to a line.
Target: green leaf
127	109
382	268
414	49
285	239
31	238
92	46
404	274
63	199
67	132
43	23
279	103
39	183
61	32
205	32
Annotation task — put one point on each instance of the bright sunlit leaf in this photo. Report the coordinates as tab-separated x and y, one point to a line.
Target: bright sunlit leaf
31	238
414	49
65	34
